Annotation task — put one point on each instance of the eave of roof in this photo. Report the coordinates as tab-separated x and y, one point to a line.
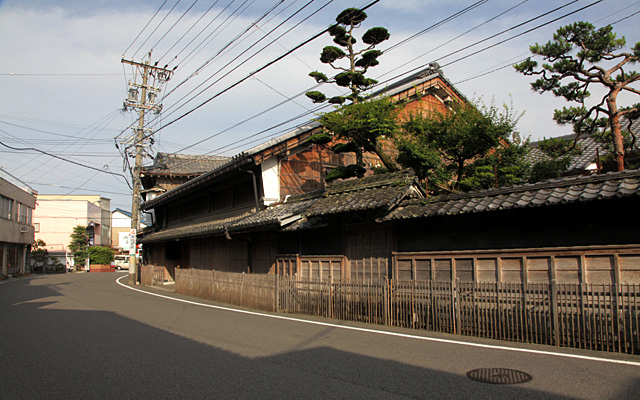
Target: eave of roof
273	217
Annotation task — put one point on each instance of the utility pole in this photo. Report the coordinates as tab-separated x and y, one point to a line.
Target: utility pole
152	77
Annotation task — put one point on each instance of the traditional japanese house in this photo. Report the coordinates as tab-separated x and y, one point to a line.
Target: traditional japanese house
193	222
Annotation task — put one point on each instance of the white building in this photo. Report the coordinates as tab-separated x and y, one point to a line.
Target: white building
121	229
57	215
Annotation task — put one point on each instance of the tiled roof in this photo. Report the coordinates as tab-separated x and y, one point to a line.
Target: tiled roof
166	163
283	214
590	150
374	192
279	215
560	191
589	146
194	230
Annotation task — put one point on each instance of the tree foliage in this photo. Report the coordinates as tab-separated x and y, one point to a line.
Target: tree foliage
358	126
361	127
460	149
79	245
580	56
558	153
352	76
39	252
100	255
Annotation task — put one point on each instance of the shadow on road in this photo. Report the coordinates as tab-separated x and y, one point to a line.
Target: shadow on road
54	353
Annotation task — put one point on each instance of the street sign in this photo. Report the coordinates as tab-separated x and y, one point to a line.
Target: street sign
132	242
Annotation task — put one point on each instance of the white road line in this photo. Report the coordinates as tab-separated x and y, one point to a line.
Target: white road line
403	335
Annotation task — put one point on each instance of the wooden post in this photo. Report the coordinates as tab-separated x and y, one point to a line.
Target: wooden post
554	312
385	300
618	315
276	305
456	304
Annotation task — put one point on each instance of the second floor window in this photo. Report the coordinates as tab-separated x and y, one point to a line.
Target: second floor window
24	214
6	207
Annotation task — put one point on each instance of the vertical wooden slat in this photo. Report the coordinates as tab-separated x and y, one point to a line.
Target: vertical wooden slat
455	297
554	312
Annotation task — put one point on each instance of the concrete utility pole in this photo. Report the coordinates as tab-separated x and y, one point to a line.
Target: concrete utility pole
145	102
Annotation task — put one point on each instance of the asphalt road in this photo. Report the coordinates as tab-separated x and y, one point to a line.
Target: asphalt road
84	336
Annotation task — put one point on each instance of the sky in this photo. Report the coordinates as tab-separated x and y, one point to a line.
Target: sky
63	82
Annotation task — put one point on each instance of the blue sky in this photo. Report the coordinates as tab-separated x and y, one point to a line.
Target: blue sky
68	81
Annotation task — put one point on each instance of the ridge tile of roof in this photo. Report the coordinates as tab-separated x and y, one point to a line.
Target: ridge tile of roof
185	163
559	191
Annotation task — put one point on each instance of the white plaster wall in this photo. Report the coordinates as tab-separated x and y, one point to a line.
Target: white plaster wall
119	220
271	180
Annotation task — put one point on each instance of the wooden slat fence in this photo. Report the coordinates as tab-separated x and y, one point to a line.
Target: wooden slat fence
245	290
588	316
152	275
602	317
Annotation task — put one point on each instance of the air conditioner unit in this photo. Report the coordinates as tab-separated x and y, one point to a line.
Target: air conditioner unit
24	229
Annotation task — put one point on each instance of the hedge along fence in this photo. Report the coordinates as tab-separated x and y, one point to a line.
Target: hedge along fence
589	316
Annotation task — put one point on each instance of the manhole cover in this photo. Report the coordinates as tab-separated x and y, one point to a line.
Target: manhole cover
498	376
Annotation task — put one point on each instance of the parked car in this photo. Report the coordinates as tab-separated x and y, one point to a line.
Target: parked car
120	262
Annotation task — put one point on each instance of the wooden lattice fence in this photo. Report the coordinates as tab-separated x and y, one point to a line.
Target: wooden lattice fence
602	317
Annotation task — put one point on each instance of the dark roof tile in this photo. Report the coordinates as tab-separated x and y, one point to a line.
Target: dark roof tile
369	193
184	164
559	191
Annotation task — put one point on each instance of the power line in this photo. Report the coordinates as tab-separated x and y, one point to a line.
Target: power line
156	28
251	74
464	33
145	27
105	121
220	51
234	14
247	59
174	24
64	124
627	17
244	139
189	30
60	158
441	22
195	49
455	15
53	74
413	70
42	131
520	34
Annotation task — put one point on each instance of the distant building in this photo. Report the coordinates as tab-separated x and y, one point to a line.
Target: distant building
121	228
16	226
57	215
588	161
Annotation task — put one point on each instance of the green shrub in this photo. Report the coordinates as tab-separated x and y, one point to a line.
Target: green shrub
100	255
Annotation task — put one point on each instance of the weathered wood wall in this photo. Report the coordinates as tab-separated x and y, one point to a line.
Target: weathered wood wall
586	264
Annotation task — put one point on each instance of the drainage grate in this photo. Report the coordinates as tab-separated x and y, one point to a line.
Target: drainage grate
498	376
